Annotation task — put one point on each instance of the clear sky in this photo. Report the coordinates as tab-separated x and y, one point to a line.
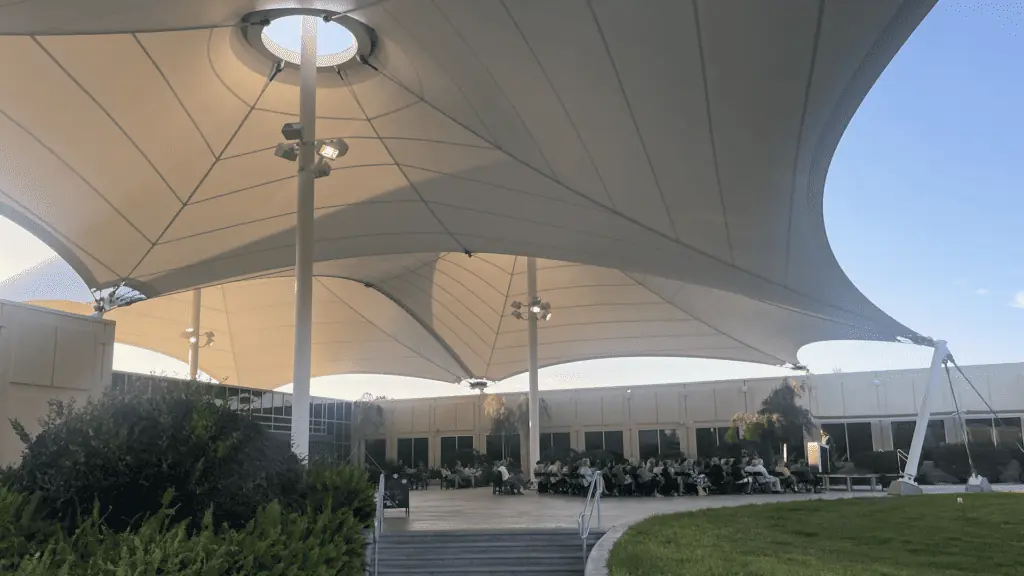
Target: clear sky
923	208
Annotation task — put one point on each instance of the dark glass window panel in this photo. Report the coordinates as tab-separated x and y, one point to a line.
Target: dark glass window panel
560	441
465	443
545	441
1008	432
449	451
979	430
668	442
593	441
332	411
405	451
902	435
494	451
613	442
420	452
859	438
648	442
707	442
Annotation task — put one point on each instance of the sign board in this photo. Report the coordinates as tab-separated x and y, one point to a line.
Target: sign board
396	493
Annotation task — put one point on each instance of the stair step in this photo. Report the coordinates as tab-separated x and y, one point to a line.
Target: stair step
491	555
436	571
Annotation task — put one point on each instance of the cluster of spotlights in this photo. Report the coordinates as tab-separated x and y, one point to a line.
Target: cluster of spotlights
329	149
542	310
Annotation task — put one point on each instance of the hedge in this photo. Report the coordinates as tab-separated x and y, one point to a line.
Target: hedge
173	483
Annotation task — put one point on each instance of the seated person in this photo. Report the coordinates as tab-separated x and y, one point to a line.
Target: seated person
756	467
716	475
586	473
786	479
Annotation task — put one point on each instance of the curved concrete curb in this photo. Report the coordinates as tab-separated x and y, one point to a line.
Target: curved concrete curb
597	561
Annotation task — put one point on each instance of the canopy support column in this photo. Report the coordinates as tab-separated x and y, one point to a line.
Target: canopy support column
193	338
907	484
531	287
304	241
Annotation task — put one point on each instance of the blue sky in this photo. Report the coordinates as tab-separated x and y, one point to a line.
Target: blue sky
923	208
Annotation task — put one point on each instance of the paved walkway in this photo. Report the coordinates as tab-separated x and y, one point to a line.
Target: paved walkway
477	508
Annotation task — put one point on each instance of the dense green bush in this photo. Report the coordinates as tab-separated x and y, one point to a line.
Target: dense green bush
327	542
344	488
125	450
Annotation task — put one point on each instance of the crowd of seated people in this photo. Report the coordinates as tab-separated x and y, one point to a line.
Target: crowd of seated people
675	477
462	476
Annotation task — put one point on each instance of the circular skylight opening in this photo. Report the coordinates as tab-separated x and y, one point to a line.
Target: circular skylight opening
334	43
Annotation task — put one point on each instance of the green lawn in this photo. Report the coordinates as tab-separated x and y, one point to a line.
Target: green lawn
908	536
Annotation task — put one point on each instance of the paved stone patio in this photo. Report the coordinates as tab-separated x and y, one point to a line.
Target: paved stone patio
477	508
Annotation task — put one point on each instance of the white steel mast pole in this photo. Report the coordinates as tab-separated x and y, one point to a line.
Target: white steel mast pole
304	240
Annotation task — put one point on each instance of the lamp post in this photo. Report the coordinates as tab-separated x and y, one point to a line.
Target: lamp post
312	156
535	309
193	340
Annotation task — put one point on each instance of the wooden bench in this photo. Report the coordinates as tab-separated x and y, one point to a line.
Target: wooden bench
849	478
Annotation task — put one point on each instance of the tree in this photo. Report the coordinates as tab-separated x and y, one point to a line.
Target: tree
508	421
780	420
367	419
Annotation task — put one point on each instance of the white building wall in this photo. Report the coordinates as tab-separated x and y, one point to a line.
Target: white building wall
876	397
46	354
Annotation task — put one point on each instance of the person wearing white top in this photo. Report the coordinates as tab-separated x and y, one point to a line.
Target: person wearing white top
757	467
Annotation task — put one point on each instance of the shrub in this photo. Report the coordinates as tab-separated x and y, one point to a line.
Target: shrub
327	542
125	450
343	488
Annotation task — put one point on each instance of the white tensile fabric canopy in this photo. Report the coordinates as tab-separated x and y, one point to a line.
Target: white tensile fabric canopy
445	317
675	150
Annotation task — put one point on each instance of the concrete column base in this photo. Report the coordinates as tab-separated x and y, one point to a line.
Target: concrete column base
903	487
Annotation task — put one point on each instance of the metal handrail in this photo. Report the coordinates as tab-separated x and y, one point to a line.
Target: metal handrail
593	496
378	521
901	458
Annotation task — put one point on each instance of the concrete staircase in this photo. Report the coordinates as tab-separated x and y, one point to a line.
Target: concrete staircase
483	553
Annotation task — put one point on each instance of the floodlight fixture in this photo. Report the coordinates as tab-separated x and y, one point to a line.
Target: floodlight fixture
322	169
537	308
292	131
288	151
332	149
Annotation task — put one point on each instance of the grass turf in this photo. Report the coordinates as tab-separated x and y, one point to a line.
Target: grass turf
907	536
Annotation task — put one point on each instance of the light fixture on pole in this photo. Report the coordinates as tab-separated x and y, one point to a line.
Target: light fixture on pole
539	309
535	309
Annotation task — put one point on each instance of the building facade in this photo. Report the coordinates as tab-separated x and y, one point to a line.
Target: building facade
860	412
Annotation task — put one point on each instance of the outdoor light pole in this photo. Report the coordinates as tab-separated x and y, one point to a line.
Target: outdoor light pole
304	240
531	288
907	484
193	339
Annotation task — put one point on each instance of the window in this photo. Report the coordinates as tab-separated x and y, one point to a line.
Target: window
655	443
504	446
376	452
980	431
555	442
850	438
608	441
859	438
1008	432
903	434
454	448
414	452
710	441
